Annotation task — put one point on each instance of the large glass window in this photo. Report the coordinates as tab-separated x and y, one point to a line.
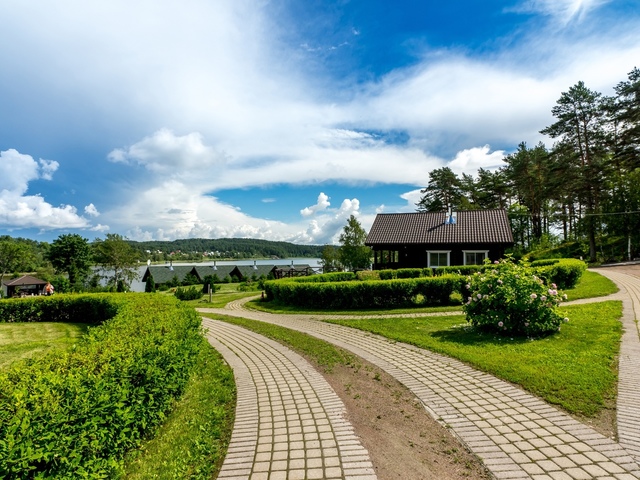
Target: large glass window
439	258
475	257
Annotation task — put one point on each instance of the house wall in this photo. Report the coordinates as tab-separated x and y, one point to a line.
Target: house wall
416	256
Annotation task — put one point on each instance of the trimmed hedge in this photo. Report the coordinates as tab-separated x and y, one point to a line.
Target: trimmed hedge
545	262
91	309
565	273
460	270
405	273
325	277
370	294
74	413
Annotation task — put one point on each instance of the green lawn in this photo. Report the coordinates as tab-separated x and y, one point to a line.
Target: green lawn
591	285
24	340
575	368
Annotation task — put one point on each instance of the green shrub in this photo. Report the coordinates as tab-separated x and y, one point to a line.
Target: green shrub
565	273
211	281
188	293
326	277
544	262
368	275
427	272
458	270
370	294
387	274
74	413
408	273
512	300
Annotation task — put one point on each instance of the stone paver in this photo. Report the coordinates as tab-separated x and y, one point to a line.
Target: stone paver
289	423
628	403
515	434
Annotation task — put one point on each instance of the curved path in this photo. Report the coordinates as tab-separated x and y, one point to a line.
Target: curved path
514	433
289	422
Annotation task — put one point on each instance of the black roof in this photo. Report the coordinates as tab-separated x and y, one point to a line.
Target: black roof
472	226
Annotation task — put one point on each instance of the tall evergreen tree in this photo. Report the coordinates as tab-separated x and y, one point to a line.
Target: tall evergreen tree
580	129
444	190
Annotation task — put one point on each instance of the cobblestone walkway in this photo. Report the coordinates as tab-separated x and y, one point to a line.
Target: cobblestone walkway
515	434
289	422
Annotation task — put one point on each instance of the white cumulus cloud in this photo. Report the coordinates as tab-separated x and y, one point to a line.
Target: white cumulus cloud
322	204
18	210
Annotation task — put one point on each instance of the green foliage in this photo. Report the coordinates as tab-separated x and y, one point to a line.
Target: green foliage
409	272
458	269
443	191
512	300
210	282
71	254
14	257
330	259
190	279
191	442
369	294
387	274
227	248
118	261
150	285
353	253
564	273
74	413
325	277
544	262
188	293
367	275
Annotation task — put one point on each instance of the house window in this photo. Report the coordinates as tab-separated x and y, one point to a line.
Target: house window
439	258
475	257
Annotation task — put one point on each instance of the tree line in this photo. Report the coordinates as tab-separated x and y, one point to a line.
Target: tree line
72	263
584	188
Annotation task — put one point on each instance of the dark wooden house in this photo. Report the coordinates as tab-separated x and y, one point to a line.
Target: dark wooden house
437	239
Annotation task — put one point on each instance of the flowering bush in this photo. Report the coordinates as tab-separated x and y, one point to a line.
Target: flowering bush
509	299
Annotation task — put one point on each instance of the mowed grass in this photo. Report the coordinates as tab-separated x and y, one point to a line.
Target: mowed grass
575	368
19	341
591	285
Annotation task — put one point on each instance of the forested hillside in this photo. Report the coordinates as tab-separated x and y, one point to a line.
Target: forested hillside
228	248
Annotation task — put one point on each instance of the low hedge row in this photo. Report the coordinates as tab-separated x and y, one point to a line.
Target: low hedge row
565	273
369	294
326	277
74	413
91	309
405	273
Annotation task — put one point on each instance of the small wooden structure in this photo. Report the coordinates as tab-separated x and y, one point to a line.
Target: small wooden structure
23	286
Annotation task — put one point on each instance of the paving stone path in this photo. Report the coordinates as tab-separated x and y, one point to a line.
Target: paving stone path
514	433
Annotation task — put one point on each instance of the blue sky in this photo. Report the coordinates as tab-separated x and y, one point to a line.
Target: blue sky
165	119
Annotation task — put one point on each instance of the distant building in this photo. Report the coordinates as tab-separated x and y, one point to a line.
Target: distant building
438	239
25	285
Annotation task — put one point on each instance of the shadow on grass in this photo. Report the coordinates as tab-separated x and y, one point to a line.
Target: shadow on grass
471	336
